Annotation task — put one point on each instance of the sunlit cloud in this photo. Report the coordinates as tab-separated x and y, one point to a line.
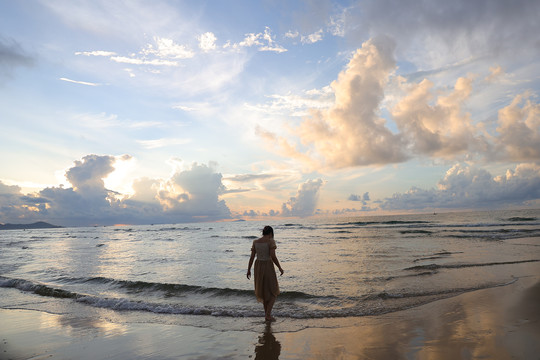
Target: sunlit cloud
305	201
438	126
519	129
350	133
346	130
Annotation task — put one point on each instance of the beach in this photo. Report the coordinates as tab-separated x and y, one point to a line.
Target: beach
422	286
495	323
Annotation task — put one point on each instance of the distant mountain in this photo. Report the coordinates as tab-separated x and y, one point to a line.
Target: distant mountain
36	225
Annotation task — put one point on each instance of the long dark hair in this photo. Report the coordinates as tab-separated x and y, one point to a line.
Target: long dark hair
268	230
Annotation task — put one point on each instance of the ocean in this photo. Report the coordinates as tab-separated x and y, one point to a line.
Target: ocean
336	269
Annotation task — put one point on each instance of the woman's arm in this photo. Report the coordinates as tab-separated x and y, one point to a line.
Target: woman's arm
250	263
275	260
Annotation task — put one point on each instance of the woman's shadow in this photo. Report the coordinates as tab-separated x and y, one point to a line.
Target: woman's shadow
267	347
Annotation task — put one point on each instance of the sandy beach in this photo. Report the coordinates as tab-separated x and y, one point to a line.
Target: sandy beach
496	323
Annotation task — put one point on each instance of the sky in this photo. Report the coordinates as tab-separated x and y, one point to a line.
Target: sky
139	112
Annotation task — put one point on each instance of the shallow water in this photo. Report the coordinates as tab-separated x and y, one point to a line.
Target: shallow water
195	273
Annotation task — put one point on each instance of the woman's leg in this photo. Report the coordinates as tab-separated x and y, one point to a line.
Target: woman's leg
268	305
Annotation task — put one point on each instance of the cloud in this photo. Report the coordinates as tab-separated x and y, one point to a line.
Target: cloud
437	126
421	120
79	82
88	174
167	48
304	202
189	195
364	198
519	129
164	50
291	34
137	61
472	188
296	104
496	72
96	53
351	133
312	38
12	55
456	30
250	177
197	191
207	41
264	41
159	143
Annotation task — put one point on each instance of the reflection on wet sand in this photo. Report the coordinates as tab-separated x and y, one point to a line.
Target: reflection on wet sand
491	323
268	347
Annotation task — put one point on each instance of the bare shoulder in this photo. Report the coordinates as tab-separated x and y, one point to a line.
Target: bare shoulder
263	240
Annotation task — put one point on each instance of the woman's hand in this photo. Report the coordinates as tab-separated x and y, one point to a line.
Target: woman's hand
281	272
248	274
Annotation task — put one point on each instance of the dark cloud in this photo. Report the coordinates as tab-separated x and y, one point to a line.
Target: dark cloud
12	55
189	195
483	26
364	198
472	188
305	201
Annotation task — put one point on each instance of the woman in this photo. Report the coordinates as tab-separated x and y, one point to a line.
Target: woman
266	284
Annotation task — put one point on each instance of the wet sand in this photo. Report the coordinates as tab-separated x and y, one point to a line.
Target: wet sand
496	323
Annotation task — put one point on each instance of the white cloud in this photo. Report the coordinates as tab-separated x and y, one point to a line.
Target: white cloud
137	61
296	104
96	53
159	143
79	82
207	41
312	38
292	34
265	42
304	202
167	48
337	24
473	188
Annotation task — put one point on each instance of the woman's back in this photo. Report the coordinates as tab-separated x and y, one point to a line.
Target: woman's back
262	248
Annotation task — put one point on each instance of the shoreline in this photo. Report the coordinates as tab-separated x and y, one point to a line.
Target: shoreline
496	323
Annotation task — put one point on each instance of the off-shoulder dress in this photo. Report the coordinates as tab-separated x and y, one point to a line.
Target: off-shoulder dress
266	284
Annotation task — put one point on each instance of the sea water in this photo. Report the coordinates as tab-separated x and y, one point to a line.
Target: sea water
195	274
